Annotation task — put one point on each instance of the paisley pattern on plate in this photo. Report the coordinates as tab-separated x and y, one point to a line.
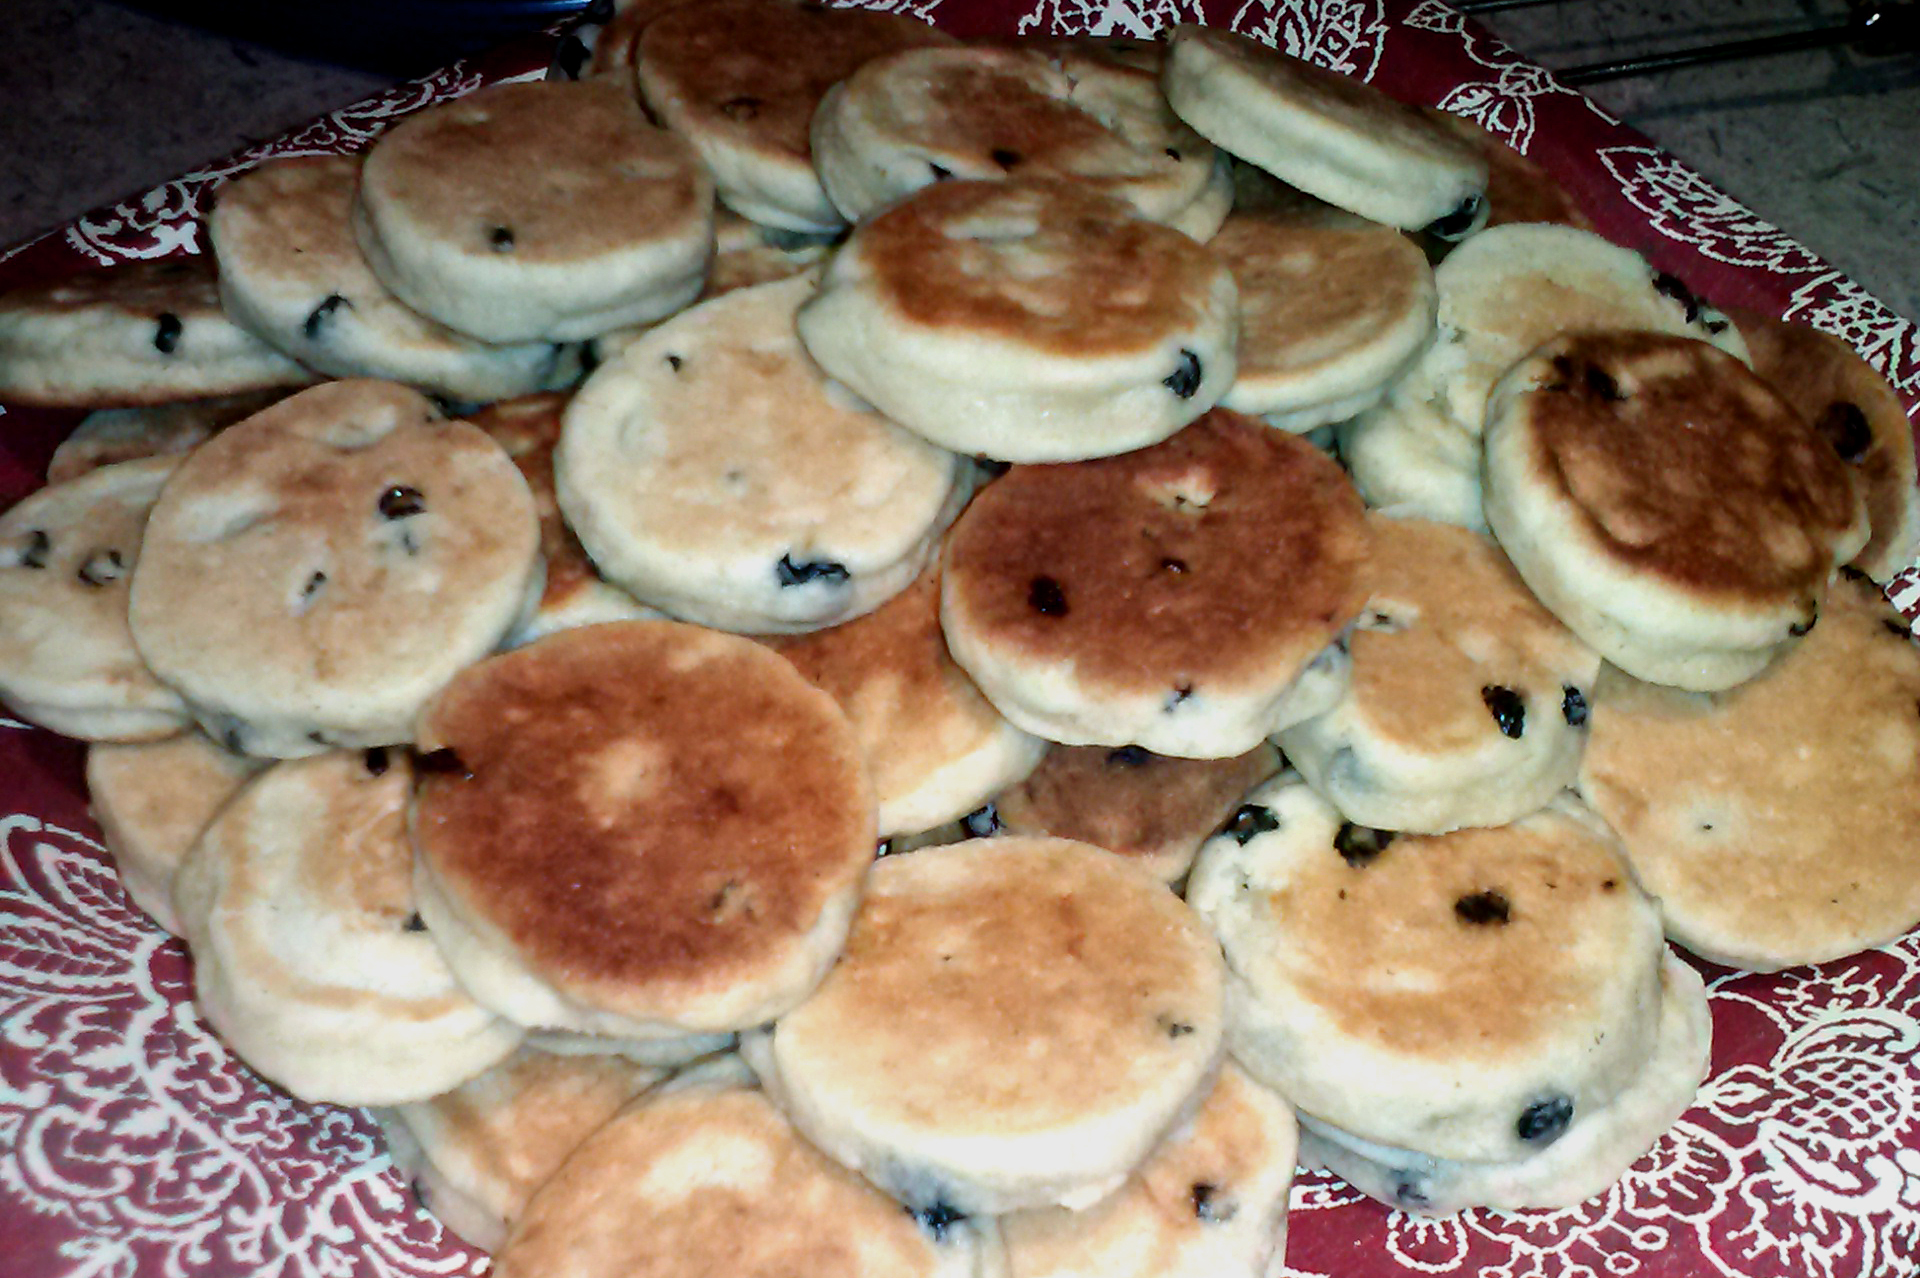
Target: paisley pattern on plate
132	1143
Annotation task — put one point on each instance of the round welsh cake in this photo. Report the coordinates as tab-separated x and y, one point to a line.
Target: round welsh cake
706	1176
740	80
1471	995
67	657
712	471
309	956
313	574
1665	504
935	747
473	1156
1014	1024
642	829
1777	821
536	211
1468	701
1026	320
921	117
1328	134
1185	598
142	333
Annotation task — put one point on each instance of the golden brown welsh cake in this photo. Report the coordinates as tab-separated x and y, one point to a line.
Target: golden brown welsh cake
536	211
152	800
1014	1024
741	80
1856	411
1777	821
138	333
473	1156
310	957
935	747
1468	700
67	656
705	1175
1026	320
1185	598
1469	996
1666	504
642	829
357	548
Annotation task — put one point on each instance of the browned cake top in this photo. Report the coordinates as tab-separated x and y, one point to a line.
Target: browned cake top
1043	262
551	171
1854	410
528	428
755	70
643	804
1528	928
1208	559
1679	461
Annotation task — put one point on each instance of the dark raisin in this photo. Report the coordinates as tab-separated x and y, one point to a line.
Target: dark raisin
1004	158
375	760
501	237
1600	384
1408	1192
1358	845
1483	909
39	546
317	318
741	108
1184	380
313	585
102	568
792	574
1172	1028
166	333
1845	426
938	1218
1208	1205
1545	1121
1045	597
1248	820
1608	885
234	738
442	762
675	362
1672	286
1128	756
402	502
1175	566
1509	709
317	737
1573	706
571	57
1181	692
981	822
1174	155
940	171
1896	627
1457	223
414	923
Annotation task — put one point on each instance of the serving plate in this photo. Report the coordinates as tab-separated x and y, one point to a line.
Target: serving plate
133	1143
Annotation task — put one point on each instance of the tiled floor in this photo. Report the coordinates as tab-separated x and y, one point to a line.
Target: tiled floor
100	100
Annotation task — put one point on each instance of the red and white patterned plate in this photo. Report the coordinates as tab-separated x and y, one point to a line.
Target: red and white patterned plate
133	1144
